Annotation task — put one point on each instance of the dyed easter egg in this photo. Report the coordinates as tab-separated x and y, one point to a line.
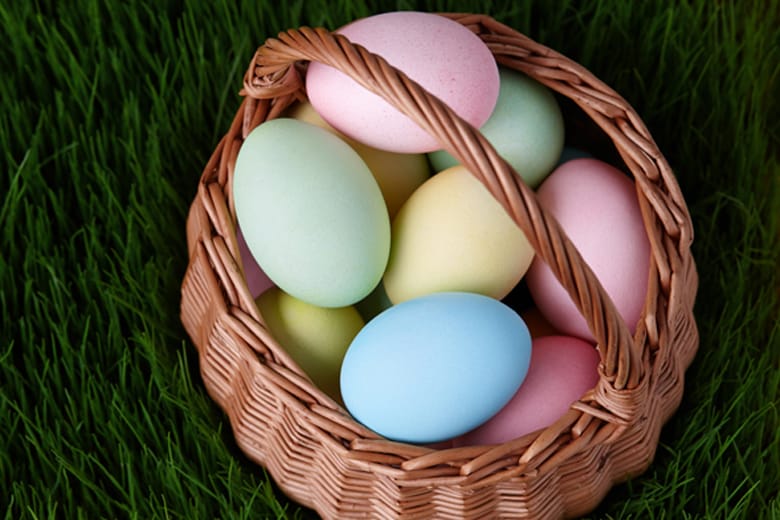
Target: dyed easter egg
562	369
397	174
452	235
435	367
315	337
596	204
311	213
441	55
526	128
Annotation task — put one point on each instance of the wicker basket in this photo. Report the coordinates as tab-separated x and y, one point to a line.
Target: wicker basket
315	451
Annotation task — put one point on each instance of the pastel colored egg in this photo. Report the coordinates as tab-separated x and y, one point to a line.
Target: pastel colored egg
311	213
596	205
315	337
398	174
452	235
526	128
562	369
256	280
435	367
441	55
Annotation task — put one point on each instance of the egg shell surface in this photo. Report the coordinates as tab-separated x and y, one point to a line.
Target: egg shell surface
441	55
562	369
435	367
526	128
597	207
315	337
311	213
397	174
256	280
452	235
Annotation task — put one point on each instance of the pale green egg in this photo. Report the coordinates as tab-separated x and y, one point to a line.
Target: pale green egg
526	128
397	174
311	213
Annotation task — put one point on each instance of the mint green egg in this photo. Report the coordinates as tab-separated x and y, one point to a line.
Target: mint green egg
311	213
526	128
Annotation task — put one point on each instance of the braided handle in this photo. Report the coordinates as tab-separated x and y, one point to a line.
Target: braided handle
272	74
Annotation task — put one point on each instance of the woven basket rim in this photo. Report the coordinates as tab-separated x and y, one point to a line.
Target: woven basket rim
244	367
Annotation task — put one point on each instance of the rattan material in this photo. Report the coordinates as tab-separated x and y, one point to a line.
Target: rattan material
322	458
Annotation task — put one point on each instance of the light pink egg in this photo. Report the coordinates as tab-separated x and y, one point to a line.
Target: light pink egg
562	369
440	54
596	204
256	279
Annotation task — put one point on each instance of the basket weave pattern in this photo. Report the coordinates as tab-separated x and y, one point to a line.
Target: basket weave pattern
321	457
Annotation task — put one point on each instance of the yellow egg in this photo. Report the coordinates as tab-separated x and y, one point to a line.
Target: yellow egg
452	235
315	337
397	174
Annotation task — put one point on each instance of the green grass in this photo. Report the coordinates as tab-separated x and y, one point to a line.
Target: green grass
108	113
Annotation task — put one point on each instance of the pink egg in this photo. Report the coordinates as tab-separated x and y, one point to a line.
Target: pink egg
562	369
596	204
256	279
440	54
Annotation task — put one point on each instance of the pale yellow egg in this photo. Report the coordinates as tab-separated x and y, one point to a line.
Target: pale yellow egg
315	337
452	235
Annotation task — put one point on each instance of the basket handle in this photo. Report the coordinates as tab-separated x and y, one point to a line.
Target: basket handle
272	73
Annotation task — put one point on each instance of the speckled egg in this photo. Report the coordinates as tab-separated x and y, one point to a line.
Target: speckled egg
442	55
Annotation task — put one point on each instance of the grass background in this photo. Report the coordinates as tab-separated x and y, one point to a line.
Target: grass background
108	113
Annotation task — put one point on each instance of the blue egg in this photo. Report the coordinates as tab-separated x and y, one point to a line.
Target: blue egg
434	367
